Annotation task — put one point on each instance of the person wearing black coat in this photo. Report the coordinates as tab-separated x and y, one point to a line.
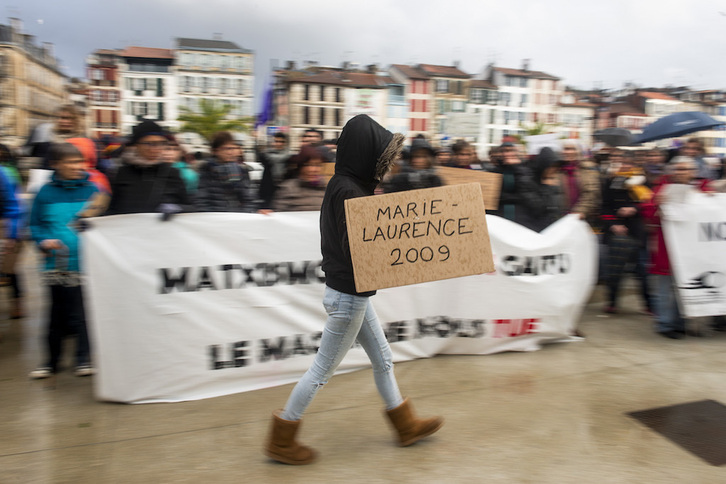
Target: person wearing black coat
519	200
144	183
224	185
623	228
545	167
418	172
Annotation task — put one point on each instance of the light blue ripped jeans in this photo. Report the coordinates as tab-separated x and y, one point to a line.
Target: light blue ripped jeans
349	318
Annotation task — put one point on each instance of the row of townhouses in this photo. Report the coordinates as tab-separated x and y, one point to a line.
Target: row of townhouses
445	103
126	86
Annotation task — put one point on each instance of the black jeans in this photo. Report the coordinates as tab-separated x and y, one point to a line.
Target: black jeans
622	250
67	317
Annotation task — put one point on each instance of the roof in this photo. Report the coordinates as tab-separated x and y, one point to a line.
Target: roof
522	73
579	104
107	52
183	43
621	108
148	52
339	78
442	71
481	84
411	72
656	95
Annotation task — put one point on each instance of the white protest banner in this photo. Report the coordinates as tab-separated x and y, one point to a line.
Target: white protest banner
418	236
218	303
536	142
695	234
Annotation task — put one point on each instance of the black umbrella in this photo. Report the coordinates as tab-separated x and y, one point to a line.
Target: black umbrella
614	136
677	124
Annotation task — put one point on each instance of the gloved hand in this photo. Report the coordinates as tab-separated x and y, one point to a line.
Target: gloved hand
82	224
168	210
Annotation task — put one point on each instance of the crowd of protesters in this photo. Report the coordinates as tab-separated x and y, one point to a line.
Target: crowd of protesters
616	191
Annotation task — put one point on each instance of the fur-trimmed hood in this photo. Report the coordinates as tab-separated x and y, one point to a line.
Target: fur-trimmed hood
366	150
131	157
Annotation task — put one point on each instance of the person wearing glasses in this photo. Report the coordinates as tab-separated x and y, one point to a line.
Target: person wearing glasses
224	185
144	183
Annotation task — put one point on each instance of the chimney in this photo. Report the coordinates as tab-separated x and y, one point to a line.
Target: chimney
290	66
16	24
372	68
456	64
49	49
525	64
345	65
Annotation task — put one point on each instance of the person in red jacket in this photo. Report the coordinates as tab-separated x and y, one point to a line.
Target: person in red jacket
681	171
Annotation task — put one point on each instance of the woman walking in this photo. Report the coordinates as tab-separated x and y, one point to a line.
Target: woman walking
365	153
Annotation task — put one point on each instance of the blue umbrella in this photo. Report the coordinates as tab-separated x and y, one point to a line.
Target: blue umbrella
677	124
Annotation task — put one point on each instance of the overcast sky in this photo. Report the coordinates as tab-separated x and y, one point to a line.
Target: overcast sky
587	43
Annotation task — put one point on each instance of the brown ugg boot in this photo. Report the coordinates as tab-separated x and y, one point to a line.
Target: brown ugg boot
282	445
411	429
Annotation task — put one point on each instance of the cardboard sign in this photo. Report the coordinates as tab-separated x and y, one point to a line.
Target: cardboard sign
418	236
491	183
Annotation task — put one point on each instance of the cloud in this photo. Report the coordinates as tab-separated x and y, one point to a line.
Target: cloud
605	41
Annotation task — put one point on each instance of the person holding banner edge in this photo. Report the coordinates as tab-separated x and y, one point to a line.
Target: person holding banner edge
365	153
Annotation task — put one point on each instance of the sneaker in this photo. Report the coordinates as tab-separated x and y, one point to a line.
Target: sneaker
84	370
40	373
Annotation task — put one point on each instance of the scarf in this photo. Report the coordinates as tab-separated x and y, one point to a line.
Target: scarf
573	191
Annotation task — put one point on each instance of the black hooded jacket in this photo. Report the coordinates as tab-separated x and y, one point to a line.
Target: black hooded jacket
366	151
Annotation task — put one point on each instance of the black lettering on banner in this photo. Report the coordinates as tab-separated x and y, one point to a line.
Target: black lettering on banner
227	269
214	358
553	264
237	276
396	331
712	232
247	271
205	280
269	349
239	354
169	282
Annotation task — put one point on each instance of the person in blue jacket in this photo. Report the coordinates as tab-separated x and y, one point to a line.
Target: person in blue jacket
13	210
52	226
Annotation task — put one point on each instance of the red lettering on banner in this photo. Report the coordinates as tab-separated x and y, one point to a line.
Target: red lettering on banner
504	328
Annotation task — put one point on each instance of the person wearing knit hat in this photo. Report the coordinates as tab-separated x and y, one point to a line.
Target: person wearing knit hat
144	129
144	183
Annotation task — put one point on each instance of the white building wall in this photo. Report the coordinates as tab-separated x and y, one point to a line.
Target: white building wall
147	103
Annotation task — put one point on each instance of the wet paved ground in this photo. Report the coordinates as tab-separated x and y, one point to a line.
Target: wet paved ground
553	416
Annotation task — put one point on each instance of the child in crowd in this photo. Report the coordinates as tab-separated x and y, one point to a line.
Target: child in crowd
52	218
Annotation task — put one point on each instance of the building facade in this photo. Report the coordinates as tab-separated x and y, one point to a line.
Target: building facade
215	70
325	98
450	87
148	87
104	93
32	86
418	94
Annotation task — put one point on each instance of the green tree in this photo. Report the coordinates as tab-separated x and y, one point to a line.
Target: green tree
212	119
537	128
